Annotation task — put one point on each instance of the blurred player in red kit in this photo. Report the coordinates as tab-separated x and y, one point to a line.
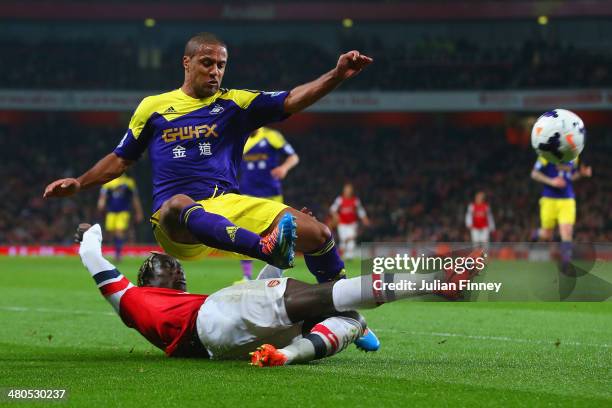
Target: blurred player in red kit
347	211
479	219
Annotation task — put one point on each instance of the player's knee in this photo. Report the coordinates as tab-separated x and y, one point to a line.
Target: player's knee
322	234
172	207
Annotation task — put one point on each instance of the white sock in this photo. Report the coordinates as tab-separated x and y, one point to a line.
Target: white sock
360	293
327	338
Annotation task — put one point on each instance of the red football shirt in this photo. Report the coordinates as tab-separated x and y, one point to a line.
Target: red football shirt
165	317
480	215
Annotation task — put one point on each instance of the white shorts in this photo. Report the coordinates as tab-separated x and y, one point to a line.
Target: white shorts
236	320
480	234
347	231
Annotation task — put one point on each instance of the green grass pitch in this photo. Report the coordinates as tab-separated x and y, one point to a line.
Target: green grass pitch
58	332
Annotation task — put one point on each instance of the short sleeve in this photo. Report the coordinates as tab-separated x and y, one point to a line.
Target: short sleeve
278	142
267	107
539	164
130	183
139	132
288	149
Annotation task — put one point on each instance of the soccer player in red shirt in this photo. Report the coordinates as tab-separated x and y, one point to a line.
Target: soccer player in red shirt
346	212
479	219
195	136
278	321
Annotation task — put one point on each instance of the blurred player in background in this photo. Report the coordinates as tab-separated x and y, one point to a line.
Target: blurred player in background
558	202
479	219
262	170
117	198
347	211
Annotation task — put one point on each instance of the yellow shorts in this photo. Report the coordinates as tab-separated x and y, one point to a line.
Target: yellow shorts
117	221
555	211
251	213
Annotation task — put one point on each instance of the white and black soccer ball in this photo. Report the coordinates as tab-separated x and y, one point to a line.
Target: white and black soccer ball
558	136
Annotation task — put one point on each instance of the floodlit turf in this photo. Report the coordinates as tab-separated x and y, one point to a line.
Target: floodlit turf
58	332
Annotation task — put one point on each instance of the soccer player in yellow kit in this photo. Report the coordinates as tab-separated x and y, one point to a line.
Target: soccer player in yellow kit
118	197
558	202
267	159
195	137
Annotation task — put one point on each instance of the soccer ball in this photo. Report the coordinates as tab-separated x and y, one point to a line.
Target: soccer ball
558	136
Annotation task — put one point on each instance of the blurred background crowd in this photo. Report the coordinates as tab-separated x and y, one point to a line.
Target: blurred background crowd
438	63
415	177
415	182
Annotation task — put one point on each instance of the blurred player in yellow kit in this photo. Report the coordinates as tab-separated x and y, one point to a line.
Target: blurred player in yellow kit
262	170
118	197
558	202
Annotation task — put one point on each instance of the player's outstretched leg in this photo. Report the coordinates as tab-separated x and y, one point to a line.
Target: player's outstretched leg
325	339
186	221
304	301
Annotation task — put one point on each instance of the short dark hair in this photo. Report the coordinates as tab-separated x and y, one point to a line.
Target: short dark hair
201	38
155	262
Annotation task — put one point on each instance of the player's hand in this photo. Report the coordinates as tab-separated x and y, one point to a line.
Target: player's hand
62	188
558	182
307	211
279	172
138	218
351	64
78	236
586	171
366	221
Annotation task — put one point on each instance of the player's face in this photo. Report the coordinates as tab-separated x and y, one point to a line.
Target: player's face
169	275
480	197
205	69
348	190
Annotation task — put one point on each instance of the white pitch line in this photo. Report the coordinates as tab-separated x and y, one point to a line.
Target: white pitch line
496	338
47	310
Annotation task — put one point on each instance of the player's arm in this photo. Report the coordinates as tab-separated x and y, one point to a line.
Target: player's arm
108	168
584	171
102	200
111	283
361	213
277	141
333	210
302	96
469	216
490	219
137	205
280	172
111	166
557	182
